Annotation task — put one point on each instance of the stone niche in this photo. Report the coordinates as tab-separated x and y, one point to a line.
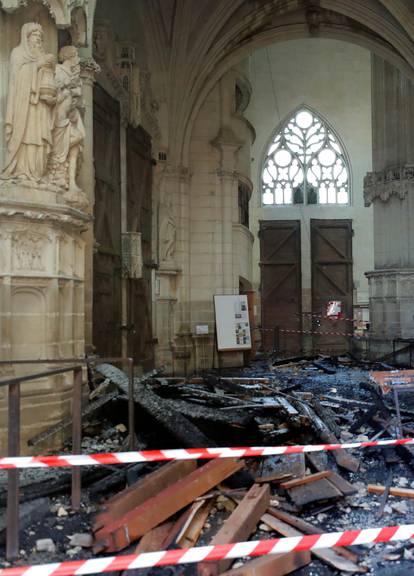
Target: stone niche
43	217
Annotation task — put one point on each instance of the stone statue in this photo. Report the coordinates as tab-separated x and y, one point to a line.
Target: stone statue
68	128
32	95
168	237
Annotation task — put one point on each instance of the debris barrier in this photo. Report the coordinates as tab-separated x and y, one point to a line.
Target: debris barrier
220	552
9	463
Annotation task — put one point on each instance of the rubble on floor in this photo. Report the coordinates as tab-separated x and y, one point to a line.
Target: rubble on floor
152	506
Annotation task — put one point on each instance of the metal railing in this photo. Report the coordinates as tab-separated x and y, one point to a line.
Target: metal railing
76	366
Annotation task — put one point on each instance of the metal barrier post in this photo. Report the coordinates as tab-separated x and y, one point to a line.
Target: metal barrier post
12	545
76	435
131	405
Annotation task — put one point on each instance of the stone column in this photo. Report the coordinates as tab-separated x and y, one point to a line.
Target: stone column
390	188
173	274
89	70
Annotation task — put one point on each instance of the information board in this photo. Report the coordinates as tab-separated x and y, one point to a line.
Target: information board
232	322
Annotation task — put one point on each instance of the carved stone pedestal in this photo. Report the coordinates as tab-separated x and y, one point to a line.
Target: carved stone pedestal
391	308
41	298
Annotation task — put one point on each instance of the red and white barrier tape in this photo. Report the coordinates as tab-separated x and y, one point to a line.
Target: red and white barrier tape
333	318
64	460
317	333
220	552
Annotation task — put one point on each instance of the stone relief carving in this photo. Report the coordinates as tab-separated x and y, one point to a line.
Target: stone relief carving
44	119
28	247
396	181
167	233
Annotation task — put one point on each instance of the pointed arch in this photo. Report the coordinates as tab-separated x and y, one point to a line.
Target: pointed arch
305	163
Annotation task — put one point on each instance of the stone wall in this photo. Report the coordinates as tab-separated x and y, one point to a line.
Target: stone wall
334	79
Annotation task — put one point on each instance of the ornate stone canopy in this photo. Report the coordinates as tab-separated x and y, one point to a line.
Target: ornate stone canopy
60	10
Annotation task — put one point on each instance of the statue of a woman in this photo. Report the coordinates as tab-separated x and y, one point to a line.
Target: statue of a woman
32	92
69	129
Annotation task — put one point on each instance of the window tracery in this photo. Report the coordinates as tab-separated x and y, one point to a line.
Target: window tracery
305	164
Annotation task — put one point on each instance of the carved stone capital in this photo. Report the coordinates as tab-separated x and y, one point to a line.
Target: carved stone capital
394	181
229	175
181	173
226	138
60	11
89	69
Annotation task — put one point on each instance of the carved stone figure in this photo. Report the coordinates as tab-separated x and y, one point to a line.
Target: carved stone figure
168	237
68	129
32	95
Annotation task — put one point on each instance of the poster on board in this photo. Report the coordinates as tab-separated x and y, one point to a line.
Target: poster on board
232	322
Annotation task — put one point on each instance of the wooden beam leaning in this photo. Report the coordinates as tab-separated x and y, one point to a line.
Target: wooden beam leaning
141	491
240	524
120	533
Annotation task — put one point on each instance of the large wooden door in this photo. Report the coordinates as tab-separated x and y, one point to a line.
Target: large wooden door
280	255
139	219
331	245
107	296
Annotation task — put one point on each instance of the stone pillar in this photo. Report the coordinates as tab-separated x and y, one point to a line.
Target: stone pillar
173	274
41	295
89	70
43	214
390	188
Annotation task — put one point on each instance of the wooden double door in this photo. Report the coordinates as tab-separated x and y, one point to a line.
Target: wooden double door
109	326
282	296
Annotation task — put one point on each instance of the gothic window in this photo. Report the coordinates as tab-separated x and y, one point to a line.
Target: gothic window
305	164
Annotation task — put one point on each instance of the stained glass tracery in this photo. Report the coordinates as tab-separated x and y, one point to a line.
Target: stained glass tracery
305	164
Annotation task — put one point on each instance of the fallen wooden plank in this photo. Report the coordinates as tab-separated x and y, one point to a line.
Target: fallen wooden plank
319	490
305	480
275	565
67	422
308	528
146	488
191	531
276	478
319	461
402	492
328	556
119	533
238	526
342	457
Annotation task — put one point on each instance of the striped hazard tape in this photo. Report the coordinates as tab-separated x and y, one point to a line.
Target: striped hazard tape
316	333
66	460
220	552
333	318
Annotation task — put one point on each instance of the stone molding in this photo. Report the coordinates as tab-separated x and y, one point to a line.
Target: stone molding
394	181
60	216
60	10
181	173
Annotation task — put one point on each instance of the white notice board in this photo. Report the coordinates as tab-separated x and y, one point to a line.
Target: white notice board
232	322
